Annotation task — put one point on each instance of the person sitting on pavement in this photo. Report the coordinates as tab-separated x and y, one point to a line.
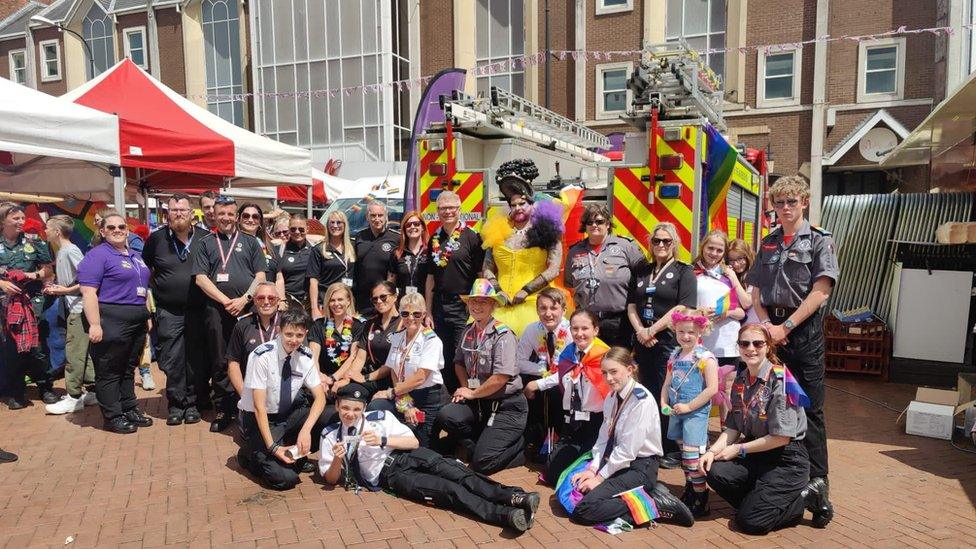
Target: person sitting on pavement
374	451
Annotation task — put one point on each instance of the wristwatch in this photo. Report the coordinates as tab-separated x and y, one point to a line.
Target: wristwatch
742	450
383	441
788	324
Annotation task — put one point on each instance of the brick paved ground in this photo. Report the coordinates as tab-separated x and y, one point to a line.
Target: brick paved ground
181	486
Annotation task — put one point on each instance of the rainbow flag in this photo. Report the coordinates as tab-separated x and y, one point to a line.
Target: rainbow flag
548	443
721	157
795	394
723	304
641	505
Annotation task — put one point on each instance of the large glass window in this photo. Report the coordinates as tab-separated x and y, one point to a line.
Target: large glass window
18	66
335	48
501	36
97	30
222	53
702	24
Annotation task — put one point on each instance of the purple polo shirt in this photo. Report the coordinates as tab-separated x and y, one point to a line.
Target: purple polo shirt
120	279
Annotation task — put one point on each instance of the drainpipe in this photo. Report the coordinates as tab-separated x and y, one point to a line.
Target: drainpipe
152	40
819	111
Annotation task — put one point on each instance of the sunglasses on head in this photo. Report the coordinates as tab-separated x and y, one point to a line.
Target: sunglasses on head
224	200
758	344
265	298
414	314
661	241
380	298
250	217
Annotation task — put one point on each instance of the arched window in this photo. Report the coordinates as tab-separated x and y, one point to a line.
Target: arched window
97	30
222	50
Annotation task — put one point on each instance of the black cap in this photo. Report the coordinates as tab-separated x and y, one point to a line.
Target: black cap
353	391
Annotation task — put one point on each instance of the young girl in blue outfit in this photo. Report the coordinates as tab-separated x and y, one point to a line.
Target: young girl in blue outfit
689	385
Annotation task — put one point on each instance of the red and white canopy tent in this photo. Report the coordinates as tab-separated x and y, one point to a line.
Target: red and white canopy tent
167	142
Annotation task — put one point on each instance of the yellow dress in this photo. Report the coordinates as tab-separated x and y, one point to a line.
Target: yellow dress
515	269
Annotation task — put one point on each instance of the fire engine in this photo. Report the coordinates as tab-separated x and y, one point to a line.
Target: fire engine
676	165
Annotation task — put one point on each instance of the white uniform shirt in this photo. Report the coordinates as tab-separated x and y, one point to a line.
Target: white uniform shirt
371	458
589	395
533	341
638	431
427	352
264	366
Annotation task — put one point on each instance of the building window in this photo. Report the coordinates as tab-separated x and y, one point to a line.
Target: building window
18	66
613	97
402	116
778	82
881	70
135	45
222	53
604	7
501	37
702	24
97	30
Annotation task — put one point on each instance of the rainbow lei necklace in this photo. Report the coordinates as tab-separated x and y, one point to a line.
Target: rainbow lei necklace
562	337
440	256
345	334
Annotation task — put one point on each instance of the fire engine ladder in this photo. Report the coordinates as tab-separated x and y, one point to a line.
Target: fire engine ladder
506	114
675	79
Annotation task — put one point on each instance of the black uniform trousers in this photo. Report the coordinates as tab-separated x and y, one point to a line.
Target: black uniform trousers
284	430
764	488
219	325
602	505
429	401
545	412
181	352
491	448
652	365
578	438
123	339
803	354
450	318
425	476
615	329
33	362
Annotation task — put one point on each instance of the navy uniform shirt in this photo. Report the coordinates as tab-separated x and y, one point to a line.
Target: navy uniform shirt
488	354
761	407
372	263
28	253
293	264
785	273
246	259
462	267
171	263
599	279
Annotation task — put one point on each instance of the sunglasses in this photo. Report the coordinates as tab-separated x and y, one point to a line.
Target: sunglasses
412	224
448	208
337	224
224	199
758	344
111	228
791	202
596	222
280	233
661	241
380	298
250	217
416	314
297	230
265	298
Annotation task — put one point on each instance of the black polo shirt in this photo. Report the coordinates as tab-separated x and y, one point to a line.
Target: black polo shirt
372	263
293	264
410	270
171	263
375	339
247	336
328	266
246	259
675	285
462	268
329	364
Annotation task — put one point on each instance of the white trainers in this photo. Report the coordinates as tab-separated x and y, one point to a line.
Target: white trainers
148	384
90	398
66	405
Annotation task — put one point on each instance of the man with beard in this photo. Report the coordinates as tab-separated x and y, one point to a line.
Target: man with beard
179	310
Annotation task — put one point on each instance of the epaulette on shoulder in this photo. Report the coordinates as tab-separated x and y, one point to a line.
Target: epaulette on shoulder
163	227
264	348
820	230
359	318
331	428
641	394
501	327
376	415
303	349
429	334
779	372
624	238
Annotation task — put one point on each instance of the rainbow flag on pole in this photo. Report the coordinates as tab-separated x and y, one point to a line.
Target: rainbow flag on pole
641	505
723	304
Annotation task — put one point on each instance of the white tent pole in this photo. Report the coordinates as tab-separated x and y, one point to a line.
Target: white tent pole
308	204
118	189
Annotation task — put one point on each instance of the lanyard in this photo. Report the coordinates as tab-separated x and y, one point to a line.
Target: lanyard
479	340
340	257
755	393
220	248
405	349
655	277
412	266
618	408
272	333
181	255
369	340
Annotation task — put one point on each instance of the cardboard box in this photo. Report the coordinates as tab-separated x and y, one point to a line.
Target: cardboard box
933	412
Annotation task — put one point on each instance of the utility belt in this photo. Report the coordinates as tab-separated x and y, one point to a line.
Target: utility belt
778	315
607	315
389	467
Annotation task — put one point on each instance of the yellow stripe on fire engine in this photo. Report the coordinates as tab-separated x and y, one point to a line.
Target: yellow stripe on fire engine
686	173
639	210
427	181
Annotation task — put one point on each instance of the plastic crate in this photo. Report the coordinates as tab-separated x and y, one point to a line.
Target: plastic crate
857	346
875	329
858	365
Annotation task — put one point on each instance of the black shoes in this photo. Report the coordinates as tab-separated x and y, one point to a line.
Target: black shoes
815	498
528	502
119	425
16	403
671	508
517	521
175	417
7	457
221	421
135	417
306	465
191	416
48	395
671	460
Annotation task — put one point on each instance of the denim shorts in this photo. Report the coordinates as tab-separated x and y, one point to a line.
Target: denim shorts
690	429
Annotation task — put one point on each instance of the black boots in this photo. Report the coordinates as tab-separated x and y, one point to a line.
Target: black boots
528	502
815	497
697	502
671	508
